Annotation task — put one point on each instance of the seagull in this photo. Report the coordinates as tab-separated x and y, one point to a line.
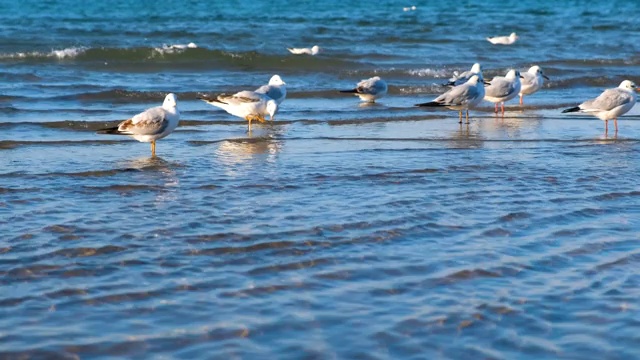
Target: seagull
610	104
502	89
151	125
275	89
181	46
369	90
305	51
249	105
461	97
532	81
461	78
503	40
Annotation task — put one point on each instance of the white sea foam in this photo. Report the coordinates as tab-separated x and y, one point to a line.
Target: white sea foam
68	53
174	48
428	73
71	52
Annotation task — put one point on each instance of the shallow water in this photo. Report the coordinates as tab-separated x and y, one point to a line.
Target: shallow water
338	231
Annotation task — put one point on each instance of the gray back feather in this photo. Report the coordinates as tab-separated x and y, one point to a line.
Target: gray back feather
500	87
609	99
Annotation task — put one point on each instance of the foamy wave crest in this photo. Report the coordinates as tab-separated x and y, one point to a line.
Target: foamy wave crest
175	48
429	73
67	53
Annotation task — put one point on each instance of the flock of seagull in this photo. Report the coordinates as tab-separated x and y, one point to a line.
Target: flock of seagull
467	90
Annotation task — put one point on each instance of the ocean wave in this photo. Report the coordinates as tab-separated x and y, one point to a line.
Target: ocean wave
177	54
67	53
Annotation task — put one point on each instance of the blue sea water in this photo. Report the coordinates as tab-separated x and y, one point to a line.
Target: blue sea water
340	231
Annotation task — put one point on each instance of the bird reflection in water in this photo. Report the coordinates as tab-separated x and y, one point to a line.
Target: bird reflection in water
466	136
236	151
157	173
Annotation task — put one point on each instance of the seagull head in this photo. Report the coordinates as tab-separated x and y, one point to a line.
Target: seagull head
513	36
476	68
475	79
170	101
276	81
537	71
315	49
512	74
628	85
272	109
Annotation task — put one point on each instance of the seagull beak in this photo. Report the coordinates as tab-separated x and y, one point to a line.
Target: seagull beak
546	77
521	77
487	82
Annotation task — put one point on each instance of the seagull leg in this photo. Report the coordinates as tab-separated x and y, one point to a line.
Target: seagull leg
249	118
460	117
495	109
153	148
521	103
467	116
615	122
606	127
502	104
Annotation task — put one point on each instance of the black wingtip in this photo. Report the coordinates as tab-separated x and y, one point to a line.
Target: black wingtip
430	103
210	99
111	131
573	109
352	91
450	83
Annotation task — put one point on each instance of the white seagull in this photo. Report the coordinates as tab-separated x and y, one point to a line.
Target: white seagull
503	40
502	89
181	46
275	89
461	97
249	105
610	104
369	89
532	81
151	125
461	78
305	51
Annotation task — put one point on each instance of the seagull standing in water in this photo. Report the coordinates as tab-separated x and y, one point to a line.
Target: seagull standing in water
502	89
275	89
369	90
461	97
532	81
611	104
503	40
150	125
249	105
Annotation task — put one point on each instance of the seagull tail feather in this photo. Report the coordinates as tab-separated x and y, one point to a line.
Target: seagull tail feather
210	99
430	104
573	109
110	131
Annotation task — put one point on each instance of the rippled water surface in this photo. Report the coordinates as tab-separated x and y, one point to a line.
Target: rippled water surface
339	231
